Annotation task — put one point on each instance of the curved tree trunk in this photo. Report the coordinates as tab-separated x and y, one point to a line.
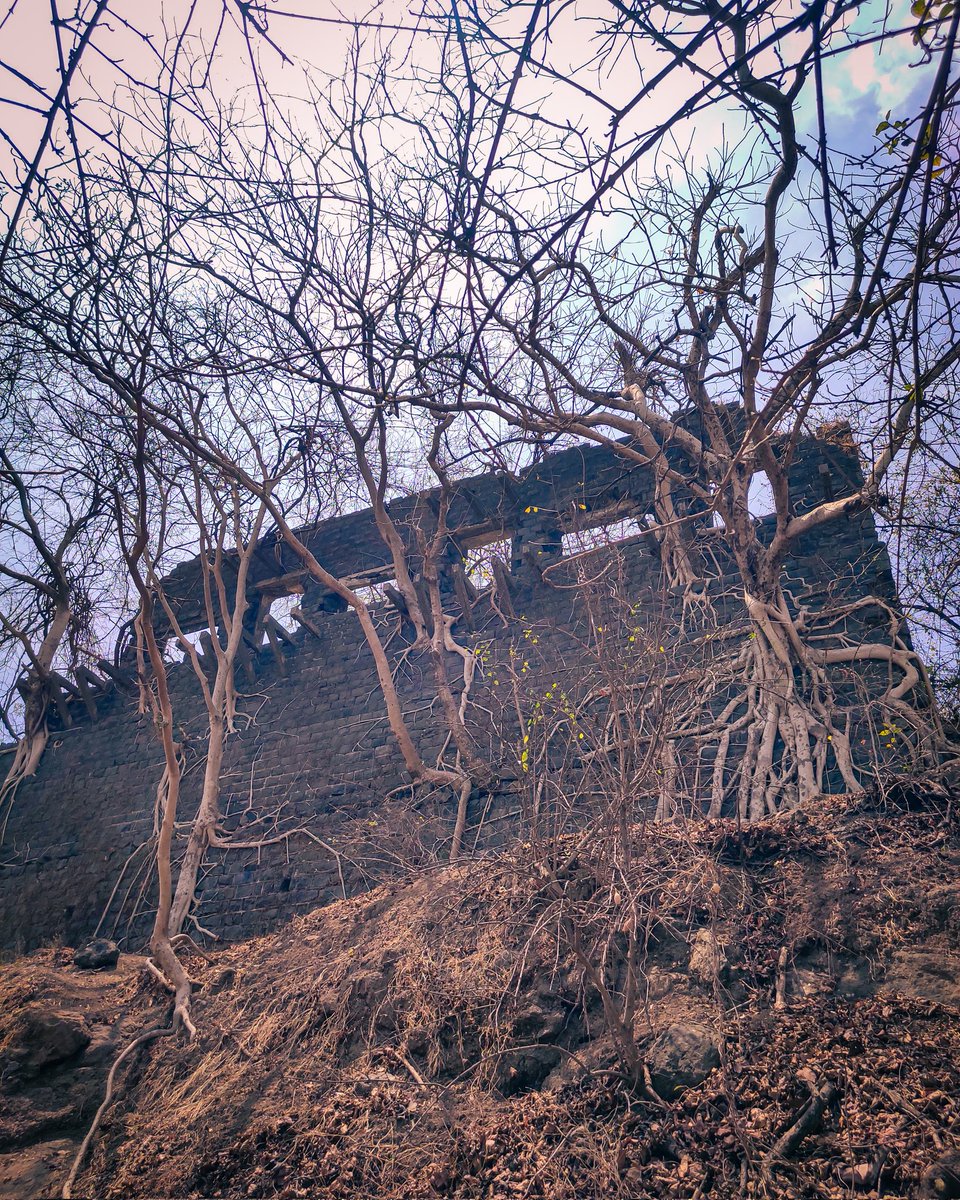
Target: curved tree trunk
161	944
202	830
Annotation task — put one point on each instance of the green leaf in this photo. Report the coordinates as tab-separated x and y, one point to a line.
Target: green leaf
919	8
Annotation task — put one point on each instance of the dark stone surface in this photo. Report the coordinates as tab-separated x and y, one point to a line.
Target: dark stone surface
942	1180
681	1057
315	748
924	975
98	955
40	1038
525	1070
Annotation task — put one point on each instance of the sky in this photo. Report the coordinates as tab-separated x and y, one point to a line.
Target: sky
313	36
295	40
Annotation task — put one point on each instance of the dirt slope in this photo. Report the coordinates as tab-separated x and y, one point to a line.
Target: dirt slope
470	1032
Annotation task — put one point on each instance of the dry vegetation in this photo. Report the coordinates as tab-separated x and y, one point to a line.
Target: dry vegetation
462	1034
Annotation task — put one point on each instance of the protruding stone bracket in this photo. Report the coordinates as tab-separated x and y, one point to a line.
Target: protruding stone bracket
123	679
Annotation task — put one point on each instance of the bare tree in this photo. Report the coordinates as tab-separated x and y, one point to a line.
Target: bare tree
420	292
52	505
298	233
155	693
690	345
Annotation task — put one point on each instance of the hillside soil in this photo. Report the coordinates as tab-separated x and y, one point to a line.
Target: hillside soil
706	1011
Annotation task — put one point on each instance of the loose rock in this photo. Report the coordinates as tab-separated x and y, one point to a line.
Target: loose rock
681	1057
39	1039
942	1179
98	955
708	962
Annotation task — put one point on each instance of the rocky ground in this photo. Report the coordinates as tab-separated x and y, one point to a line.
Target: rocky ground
710	1011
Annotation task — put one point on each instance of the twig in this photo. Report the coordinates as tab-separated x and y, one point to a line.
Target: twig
417	1077
780	1000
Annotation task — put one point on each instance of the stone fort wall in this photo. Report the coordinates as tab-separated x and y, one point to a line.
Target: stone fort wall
315	751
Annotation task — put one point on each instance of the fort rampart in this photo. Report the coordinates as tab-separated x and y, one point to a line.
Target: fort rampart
315	752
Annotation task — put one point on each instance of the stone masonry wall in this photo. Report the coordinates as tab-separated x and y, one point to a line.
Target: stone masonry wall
315	751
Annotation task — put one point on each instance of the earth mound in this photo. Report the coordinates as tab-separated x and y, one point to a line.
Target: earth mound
687	1012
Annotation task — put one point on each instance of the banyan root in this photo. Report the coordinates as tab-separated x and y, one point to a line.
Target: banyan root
147	1036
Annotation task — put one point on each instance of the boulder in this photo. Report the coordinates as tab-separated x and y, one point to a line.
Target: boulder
681	1057
924	975
524	1070
539	1022
708	962
660	983
40	1038
942	1180
98	955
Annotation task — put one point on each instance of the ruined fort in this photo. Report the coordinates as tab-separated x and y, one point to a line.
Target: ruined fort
314	755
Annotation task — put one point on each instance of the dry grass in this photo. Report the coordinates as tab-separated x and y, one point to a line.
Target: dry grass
441	1037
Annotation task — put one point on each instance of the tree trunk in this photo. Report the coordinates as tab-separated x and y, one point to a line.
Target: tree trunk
202	830
32	744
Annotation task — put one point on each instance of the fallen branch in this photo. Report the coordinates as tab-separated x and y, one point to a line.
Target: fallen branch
805	1122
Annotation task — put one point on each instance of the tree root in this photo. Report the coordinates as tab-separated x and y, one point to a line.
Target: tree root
26	759
168	969
141	1039
762	728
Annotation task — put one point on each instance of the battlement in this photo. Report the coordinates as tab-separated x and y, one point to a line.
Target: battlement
569	492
